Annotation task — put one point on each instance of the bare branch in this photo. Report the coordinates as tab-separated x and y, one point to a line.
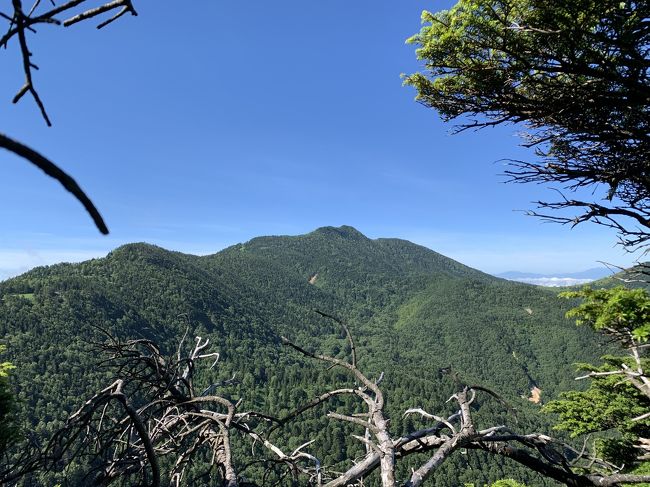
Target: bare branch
423	413
347	334
93	12
52	170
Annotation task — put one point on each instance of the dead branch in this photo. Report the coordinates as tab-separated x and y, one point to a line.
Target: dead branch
127	439
170	419
54	171
20	23
537	452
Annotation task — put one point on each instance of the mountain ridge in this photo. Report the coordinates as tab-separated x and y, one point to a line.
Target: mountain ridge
408	307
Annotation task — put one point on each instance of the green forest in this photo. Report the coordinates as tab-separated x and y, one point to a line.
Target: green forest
333	359
425	321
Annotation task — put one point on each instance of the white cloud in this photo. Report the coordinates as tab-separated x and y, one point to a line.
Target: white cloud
553	281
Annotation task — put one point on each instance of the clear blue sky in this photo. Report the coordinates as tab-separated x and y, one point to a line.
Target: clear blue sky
197	125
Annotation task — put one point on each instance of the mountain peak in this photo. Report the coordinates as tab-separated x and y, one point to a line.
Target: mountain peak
135	248
344	231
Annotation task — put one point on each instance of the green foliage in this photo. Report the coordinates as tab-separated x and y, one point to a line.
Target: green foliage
618	309
574	73
614	401
8	427
485	52
642	469
607	404
410	309
507	483
501	483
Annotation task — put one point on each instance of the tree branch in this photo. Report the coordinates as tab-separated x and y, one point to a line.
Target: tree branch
52	170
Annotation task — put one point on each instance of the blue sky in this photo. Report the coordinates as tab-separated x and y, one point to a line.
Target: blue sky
198	125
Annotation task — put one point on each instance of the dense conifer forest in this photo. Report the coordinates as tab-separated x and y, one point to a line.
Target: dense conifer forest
370	362
427	322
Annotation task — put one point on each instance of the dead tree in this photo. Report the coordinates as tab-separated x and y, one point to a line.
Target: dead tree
541	453
22	22
151	412
152	422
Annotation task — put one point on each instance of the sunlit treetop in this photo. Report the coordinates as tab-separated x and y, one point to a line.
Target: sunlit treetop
574	74
613	311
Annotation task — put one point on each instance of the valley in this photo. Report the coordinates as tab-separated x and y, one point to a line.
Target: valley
425	321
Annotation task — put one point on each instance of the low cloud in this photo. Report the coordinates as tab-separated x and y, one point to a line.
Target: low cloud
553	281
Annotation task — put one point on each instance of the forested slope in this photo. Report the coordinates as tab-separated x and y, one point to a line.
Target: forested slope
425	320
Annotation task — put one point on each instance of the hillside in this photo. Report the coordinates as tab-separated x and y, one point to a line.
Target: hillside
412	311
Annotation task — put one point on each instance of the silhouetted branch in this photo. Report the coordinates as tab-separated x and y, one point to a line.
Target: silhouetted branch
19	24
52	170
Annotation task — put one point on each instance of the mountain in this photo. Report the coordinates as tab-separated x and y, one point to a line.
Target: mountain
413	312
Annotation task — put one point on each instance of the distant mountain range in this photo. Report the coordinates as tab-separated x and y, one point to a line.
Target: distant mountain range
413	312
557	280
